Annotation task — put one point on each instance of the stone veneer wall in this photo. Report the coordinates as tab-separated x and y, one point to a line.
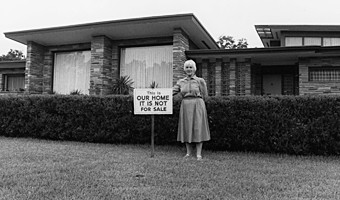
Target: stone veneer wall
243	77
226	76
34	68
307	87
105	57
101	65
180	45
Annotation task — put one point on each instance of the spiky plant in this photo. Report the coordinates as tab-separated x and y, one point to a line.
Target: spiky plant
154	85
122	85
75	92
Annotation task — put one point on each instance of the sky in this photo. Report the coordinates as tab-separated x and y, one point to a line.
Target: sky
235	18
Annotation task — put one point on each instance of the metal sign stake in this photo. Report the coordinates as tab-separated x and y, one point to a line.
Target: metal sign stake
152	136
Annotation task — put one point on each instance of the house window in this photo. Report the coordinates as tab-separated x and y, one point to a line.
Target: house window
310	41
293	41
147	64
14	82
328	41
329	74
72	72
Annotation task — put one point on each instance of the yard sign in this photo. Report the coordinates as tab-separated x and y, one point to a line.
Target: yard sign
152	102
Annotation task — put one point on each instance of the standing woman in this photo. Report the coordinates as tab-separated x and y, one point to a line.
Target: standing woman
193	124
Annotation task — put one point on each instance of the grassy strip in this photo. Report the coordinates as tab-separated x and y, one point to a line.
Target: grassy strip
39	169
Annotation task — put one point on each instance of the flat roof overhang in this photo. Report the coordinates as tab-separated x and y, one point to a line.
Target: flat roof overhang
14	64
136	28
267	56
273	32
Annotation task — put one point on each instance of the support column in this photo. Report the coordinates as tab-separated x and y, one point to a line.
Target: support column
180	45
225	74
101	62
218	77
34	68
232	77
247	76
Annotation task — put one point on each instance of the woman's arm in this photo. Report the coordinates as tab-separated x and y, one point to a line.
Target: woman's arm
203	88
176	88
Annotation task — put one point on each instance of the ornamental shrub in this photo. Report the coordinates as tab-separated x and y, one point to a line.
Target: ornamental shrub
300	125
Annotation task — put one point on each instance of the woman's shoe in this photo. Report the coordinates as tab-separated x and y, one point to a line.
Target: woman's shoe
187	156
199	157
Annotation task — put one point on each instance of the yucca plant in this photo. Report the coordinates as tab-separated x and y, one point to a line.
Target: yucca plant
153	85
75	92
122	85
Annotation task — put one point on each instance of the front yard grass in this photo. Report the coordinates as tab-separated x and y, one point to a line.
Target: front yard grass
40	169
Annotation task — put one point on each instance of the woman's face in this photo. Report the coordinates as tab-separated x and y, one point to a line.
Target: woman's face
189	70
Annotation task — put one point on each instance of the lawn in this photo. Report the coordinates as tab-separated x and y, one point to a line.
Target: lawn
40	169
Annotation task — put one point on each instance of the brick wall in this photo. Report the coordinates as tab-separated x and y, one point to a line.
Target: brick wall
180	45
34	68
105	55
225	76
243	77
308	87
101	62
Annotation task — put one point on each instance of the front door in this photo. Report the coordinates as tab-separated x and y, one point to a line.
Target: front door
272	84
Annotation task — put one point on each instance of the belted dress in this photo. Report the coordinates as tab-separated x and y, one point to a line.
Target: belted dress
193	123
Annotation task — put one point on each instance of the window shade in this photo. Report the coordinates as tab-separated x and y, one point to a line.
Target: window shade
147	64
72	72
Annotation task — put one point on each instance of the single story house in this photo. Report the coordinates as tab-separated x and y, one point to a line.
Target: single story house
295	60
12	76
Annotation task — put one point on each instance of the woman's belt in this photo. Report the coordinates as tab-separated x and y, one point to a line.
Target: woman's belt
192	97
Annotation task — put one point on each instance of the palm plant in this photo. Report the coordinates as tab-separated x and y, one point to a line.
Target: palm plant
154	85
76	92
122	85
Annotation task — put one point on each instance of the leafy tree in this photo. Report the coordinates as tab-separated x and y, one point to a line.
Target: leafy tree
13	55
228	42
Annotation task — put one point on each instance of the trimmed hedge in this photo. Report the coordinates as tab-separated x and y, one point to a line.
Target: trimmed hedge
287	124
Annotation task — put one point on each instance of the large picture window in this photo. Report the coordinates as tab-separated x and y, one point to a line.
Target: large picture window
147	64
324	74
72	72
14	82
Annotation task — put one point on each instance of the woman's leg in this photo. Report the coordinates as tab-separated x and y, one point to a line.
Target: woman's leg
199	150
188	146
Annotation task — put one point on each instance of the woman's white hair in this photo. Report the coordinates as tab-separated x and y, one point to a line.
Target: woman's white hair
190	63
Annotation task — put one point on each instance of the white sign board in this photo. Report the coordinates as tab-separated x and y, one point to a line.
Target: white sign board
156	101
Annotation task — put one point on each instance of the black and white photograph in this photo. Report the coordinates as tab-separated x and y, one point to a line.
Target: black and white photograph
170	100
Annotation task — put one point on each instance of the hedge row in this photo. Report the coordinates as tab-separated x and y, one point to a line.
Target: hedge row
294	125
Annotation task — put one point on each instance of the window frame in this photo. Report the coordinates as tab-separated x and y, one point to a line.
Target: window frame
5	81
314	69
121	48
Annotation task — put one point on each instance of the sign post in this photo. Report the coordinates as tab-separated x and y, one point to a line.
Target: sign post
152	102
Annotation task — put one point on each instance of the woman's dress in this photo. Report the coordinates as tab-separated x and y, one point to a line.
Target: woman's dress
193	119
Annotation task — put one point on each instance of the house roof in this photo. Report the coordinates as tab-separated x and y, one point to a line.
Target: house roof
157	26
13	64
267	56
273	32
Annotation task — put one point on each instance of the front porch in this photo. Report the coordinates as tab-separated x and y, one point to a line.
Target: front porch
257	71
